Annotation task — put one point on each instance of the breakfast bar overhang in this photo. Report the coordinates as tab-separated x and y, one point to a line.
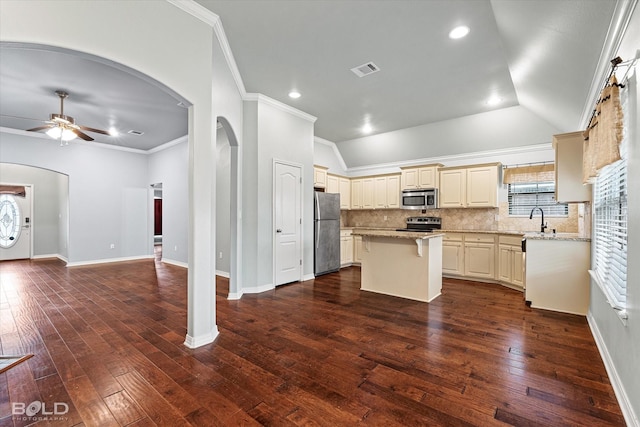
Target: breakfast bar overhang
402	264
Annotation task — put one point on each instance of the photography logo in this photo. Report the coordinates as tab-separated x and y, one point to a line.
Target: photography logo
37	411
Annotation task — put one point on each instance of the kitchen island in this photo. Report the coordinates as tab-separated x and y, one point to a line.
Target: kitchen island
401	263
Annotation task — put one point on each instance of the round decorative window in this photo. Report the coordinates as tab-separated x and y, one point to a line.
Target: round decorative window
9	221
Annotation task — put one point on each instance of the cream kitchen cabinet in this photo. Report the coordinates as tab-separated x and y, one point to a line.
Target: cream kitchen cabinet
510	261
362	193
319	177
453	254
469	187
357	250
419	177
333	184
356	193
346	248
387	192
568	157
340	185
479	256
344	186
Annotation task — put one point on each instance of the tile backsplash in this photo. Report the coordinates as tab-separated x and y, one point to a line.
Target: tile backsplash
486	219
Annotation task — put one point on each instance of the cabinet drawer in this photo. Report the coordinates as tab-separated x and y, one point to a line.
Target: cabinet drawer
452	237
510	240
479	238
345	233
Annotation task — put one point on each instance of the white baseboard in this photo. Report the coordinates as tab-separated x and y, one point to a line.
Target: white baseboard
176	263
308	277
221	273
46	256
623	400
108	260
234	295
258	289
195	342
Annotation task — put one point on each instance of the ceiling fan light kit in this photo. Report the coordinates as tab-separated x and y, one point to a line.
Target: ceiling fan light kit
64	128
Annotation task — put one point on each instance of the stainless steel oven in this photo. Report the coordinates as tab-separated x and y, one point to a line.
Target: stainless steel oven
425	198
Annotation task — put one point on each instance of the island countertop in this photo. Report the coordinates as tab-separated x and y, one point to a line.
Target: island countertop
375	232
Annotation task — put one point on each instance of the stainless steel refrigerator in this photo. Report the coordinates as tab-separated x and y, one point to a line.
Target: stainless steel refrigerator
326	233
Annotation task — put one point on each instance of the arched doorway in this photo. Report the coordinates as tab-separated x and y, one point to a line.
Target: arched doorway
228	204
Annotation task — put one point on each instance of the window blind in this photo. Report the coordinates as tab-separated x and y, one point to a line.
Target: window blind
610	224
526	196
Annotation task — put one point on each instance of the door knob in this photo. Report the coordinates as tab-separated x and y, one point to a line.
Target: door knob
278	231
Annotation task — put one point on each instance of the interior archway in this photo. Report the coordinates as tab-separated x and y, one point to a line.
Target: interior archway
228	204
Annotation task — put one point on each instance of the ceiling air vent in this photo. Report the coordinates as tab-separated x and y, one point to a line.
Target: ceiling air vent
135	132
365	69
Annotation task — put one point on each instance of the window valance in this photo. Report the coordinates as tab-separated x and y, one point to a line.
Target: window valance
529	174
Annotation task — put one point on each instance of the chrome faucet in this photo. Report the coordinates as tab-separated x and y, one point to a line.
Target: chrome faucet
542	224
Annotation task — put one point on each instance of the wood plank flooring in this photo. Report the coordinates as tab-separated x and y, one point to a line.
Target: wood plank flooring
107	341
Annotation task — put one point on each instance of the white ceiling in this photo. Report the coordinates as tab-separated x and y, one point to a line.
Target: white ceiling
538	54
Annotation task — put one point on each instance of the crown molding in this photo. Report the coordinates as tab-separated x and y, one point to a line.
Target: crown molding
617	28
208	17
169	144
455	157
279	105
334	147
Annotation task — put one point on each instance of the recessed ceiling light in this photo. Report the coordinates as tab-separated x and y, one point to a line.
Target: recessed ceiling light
294	94
494	100
367	128
459	32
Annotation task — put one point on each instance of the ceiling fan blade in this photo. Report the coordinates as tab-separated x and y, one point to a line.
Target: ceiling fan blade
82	135
87	128
39	128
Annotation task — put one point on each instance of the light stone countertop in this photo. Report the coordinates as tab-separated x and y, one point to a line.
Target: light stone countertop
391	232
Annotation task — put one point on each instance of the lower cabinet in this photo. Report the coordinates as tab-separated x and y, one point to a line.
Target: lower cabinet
510	261
480	256
346	248
357	250
453	254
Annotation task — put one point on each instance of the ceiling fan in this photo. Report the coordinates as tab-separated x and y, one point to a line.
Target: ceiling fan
64	127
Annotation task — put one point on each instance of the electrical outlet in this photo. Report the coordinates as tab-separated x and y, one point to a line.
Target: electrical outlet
385	217
175	248
220	255
113	246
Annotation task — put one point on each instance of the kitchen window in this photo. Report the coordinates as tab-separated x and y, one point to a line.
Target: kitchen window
609	263
523	197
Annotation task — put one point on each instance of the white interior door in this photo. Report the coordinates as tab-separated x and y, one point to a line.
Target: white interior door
287	223
15	226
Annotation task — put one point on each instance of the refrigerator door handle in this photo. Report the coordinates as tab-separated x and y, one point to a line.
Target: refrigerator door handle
317	206
317	233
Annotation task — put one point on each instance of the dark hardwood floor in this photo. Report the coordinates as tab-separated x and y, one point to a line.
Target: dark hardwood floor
107	341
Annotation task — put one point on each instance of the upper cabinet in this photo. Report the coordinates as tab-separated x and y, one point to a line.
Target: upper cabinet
419	177
568	156
469	187
340	185
387	192
319	177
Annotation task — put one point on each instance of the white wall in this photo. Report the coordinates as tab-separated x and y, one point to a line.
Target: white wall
50	199
325	153
620	343
271	133
171	168
499	129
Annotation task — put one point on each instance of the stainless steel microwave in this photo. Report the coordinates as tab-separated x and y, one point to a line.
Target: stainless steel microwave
425	198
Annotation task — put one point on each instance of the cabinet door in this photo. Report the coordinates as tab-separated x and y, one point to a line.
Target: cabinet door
380	192
357	249
368	197
319	177
479	260
356	194
393	192
505	263
410	178
569	188
332	184
452	188
428	177
517	274
452	258
482	187
345	193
